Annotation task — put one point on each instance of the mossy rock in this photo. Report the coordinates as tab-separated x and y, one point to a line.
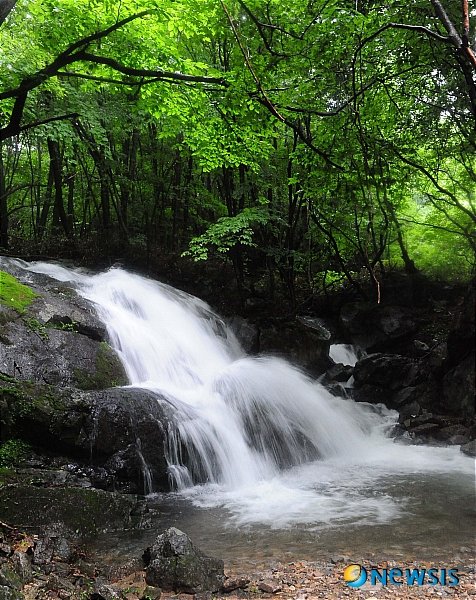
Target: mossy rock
43	415
13	452
14	294
108	371
26	397
80	511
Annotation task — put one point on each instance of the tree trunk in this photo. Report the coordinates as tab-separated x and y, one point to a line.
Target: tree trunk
3	204
59	213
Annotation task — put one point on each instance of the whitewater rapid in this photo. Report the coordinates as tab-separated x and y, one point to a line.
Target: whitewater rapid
262	439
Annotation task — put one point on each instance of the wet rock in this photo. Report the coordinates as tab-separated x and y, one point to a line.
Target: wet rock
120	430
377	328
421	348
65	322
317	325
469	448
58	340
247	334
409	411
423	430
298	342
460	343
57	298
176	564
389	371
458	388
58	357
77	511
372	394
129	428
339	372
397	381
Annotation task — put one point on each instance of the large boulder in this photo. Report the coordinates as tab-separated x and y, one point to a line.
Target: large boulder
121	430
55	337
303	341
377	328
174	563
394	380
458	388
58	386
31	350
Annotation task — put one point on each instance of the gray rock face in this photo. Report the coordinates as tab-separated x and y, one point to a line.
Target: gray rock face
58	340
176	564
430	409
458	388
37	352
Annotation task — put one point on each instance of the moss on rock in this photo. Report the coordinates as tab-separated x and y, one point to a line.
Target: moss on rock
13	452
108	371
80	511
14	294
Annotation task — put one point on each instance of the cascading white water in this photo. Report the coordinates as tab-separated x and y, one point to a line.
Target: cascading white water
345	354
245	421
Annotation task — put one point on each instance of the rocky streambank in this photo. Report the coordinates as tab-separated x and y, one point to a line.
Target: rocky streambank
44	567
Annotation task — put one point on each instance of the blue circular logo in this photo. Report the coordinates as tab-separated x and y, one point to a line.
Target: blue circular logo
355	576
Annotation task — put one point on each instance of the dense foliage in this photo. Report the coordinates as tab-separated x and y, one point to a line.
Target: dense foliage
302	141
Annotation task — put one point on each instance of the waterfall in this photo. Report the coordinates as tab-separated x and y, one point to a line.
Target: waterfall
345	354
256	431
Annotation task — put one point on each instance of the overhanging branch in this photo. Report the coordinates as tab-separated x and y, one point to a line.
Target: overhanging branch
77	52
157	74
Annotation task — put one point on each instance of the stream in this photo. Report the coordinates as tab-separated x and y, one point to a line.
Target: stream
264	461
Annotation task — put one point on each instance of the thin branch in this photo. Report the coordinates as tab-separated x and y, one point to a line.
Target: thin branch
259	27
66	58
452	197
265	101
129	82
157	74
432	226
420	29
67	117
94	37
